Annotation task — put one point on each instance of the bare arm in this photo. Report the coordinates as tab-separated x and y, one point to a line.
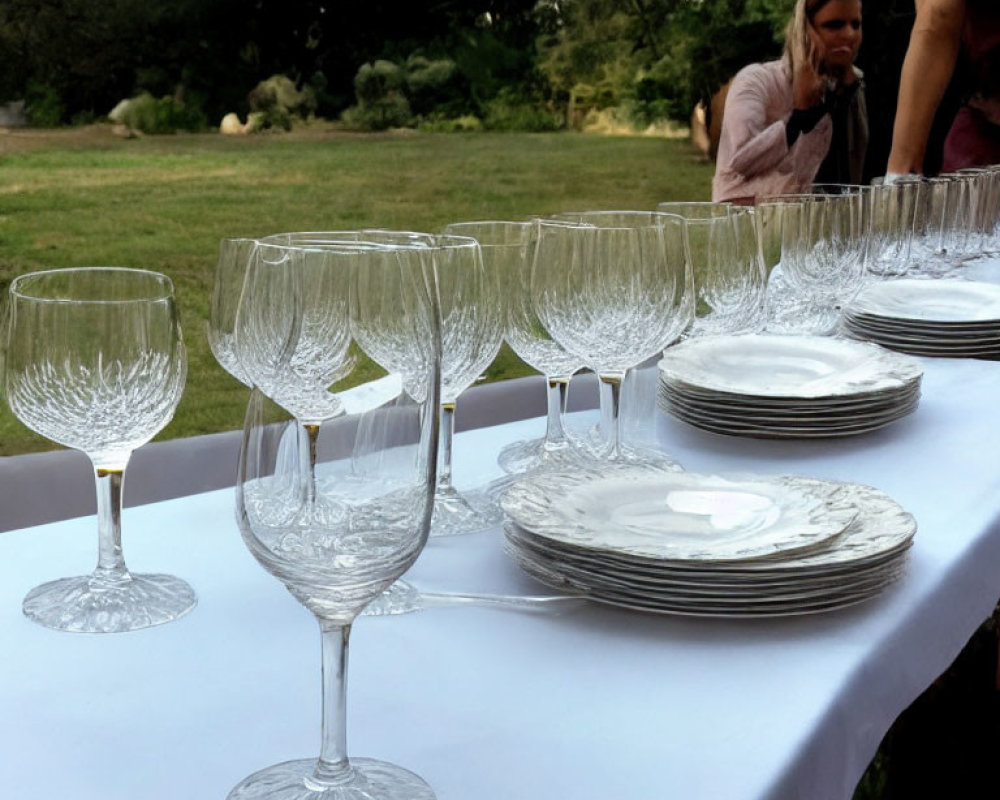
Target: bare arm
927	69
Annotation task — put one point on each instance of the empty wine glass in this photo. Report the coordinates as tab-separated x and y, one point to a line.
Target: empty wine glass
892	211
377	465
728	275
824	251
95	362
941	226
506	248
374	235
620	297
471	334
297	288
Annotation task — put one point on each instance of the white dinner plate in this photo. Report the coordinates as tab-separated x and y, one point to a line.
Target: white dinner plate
941	301
881	530
679	516
856	565
770	365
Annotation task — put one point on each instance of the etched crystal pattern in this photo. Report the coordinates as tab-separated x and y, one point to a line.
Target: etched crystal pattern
105	410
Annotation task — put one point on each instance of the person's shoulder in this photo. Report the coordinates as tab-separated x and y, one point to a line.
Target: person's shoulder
762	73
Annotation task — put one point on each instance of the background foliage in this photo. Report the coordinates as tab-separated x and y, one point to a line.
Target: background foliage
527	64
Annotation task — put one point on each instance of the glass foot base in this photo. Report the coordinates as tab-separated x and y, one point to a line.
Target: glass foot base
531	455
84	605
400	598
469	512
593	450
368	780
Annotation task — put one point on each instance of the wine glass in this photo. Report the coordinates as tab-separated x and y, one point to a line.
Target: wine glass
892	213
621	296
471	334
377	465
95	362
728	272
506	250
941	226
824	252
375	235
293	306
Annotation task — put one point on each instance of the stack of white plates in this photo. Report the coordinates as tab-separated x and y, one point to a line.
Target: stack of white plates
787	387
682	543
956	318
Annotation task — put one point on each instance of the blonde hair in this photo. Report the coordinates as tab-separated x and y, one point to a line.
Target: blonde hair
797	44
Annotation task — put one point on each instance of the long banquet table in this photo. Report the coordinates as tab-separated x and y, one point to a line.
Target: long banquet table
494	704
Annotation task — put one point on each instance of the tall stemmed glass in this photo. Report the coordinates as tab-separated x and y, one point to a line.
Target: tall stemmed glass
471	334
892	214
294	283
95	362
728	272
620	297
824	251
377	466
507	250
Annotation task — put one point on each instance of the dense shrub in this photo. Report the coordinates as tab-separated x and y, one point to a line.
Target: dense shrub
42	105
510	112
377	80
436	86
152	115
392	111
276	102
381	101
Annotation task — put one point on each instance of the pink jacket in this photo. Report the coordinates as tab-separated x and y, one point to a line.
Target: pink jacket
754	159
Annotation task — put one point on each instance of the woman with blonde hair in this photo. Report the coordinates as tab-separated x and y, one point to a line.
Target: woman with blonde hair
801	119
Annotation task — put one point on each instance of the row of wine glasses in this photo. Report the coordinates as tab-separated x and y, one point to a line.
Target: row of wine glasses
344	338
94	381
471	327
831	241
609	290
95	360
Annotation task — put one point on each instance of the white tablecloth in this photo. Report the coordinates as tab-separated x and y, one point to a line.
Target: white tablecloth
492	704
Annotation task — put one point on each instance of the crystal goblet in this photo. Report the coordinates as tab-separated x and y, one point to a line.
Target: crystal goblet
376	465
507	250
620	297
95	361
728	273
471	334
824	249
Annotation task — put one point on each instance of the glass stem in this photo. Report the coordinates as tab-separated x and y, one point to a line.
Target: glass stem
556	399
447	436
111	570
333	767
312	437
611	390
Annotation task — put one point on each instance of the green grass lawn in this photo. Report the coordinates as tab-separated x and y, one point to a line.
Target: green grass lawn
163	203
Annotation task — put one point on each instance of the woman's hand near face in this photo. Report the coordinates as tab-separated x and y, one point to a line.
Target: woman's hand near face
808	85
